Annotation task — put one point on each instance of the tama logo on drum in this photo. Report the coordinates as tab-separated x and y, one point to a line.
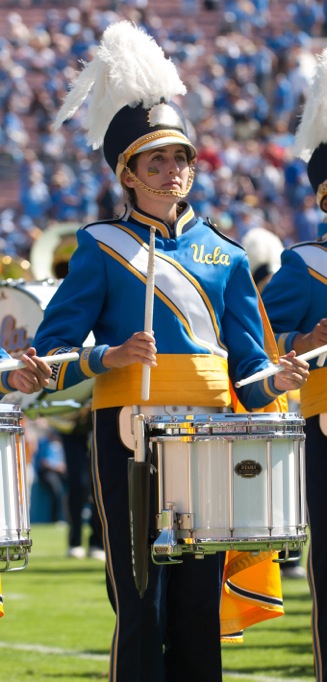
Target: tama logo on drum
248	468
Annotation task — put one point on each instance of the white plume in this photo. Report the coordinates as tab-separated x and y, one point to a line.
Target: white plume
263	248
128	68
312	129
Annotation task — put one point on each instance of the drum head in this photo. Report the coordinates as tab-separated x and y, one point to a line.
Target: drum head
22	305
21	312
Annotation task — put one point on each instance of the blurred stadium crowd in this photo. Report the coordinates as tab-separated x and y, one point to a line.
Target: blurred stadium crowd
247	65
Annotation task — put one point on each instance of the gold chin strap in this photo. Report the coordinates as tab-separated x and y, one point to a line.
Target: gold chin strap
321	194
163	192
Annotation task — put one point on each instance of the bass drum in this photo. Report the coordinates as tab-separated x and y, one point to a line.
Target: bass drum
21	312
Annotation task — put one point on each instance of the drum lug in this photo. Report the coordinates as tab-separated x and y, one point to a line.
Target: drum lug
185	521
166	544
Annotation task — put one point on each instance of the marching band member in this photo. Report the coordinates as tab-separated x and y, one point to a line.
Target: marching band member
206	331
263	249
295	301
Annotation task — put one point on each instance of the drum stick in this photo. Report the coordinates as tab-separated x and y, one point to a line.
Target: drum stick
148	316
274	369
11	364
139	445
321	360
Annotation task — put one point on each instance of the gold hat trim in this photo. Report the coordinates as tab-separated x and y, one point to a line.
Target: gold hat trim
151	141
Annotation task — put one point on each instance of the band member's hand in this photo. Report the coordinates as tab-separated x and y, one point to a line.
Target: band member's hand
319	334
140	347
294	375
314	339
31	378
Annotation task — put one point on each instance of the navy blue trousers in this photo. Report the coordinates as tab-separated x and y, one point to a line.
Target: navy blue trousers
79	489
172	634
316	482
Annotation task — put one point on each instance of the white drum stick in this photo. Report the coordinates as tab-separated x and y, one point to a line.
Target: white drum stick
148	316
139	445
321	359
274	369
9	365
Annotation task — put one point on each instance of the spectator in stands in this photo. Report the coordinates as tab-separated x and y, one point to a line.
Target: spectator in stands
65	198
35	197
228	66
307	216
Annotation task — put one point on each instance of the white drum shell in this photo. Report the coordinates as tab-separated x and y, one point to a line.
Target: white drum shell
197	474
14	509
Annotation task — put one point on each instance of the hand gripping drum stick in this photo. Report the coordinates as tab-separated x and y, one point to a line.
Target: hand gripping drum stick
319	353
12	364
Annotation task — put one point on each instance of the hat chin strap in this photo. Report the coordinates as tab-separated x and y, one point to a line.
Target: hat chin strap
162	192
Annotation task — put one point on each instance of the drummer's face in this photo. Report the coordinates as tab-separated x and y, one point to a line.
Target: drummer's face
323	203
164	168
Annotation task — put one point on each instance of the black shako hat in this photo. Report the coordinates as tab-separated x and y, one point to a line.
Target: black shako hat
135	129
130	87
317	172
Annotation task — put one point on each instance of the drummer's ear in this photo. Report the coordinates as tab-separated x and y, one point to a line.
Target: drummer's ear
127	179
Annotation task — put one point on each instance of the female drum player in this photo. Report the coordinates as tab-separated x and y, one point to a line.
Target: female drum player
207	332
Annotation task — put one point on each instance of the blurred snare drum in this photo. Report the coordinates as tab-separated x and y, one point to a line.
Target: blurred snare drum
21	312
15	540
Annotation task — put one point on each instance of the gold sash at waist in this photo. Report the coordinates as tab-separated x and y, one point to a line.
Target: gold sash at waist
177	380
314	394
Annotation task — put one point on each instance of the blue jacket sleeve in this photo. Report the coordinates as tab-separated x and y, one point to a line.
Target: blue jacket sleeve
243	331
4	386
286	298
71	315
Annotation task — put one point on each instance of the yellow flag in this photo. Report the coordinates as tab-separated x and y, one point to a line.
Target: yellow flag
251	593
252	590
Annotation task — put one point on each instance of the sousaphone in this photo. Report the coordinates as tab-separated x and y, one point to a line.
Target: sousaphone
52	251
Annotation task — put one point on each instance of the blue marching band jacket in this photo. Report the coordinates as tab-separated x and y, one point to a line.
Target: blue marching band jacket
4	387
206	320
209	333
295	301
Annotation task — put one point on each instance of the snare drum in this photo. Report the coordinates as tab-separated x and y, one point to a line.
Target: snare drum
228	481
21	312
15	540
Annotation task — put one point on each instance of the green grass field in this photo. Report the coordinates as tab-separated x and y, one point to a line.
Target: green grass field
58	624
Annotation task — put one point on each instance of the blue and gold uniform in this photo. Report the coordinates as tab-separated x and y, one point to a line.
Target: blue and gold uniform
208	333
295	301
203	344
200	275
4	386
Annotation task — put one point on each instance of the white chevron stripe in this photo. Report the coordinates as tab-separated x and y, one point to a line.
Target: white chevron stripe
314	256
170	280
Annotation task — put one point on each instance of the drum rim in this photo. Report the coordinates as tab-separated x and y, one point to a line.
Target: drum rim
22	286
238	417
